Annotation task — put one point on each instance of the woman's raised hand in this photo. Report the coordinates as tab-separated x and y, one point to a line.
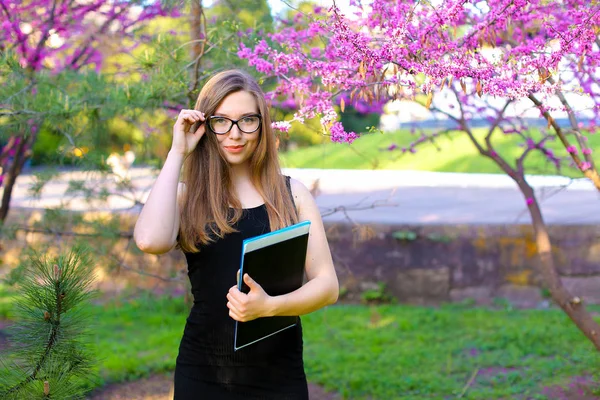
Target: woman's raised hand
184	140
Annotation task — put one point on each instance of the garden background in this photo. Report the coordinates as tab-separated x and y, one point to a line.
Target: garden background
439	310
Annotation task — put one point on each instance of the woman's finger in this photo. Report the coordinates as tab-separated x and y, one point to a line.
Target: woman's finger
235	316
200	129
236	294
234	302
190	114
191	117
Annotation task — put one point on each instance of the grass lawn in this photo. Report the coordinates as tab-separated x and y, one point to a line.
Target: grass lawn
456	154
407	352
383	352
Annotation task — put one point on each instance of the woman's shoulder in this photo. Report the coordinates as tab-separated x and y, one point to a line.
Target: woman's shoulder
300	192
295	183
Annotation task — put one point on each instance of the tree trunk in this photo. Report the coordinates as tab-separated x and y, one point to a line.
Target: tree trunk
197	29
12	174
572	305
592	174
198	37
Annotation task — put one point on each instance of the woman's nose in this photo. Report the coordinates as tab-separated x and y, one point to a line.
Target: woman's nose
235	131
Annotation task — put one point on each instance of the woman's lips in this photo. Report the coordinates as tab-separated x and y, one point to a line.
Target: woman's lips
234	149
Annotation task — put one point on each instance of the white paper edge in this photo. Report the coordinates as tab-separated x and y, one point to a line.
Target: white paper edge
277	236
258	340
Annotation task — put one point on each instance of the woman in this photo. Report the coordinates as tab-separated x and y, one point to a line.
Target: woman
233	189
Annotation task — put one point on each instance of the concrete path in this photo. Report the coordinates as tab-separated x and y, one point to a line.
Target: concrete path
416	197
388	197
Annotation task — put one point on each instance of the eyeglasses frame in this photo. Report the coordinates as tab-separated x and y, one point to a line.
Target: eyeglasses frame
234	122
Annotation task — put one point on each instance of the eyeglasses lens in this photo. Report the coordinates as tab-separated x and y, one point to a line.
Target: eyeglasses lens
223	125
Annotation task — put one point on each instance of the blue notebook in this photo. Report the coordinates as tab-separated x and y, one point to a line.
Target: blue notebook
276	261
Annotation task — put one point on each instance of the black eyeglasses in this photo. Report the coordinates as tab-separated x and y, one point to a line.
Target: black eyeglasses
222	125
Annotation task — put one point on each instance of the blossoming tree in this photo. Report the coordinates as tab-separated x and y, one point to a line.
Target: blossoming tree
51	52
497	60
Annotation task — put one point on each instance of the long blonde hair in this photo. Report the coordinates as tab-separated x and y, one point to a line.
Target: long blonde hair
205	202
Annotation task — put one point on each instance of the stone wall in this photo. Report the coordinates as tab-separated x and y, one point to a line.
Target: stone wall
432	264
417	264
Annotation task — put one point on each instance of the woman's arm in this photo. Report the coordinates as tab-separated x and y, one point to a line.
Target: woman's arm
322	287
158	223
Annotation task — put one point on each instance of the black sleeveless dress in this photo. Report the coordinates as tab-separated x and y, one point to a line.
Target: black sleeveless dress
207	366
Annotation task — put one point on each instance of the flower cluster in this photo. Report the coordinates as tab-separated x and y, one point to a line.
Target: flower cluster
510	50
283	126
54	36
339	135
66	35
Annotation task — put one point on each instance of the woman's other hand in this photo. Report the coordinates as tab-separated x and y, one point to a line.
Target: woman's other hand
246	307
184	140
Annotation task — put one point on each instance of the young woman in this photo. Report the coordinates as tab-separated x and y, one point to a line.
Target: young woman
233	189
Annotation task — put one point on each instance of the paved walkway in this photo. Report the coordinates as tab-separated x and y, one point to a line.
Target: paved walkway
383	196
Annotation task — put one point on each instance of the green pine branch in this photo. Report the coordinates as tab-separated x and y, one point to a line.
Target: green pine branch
51	328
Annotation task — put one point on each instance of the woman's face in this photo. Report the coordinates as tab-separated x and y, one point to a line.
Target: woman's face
237	146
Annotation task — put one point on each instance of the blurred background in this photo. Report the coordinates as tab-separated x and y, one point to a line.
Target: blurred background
437	250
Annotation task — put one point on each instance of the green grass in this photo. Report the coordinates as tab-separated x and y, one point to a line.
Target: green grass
456	154
406	352
137	337
131	338
383	352
7	297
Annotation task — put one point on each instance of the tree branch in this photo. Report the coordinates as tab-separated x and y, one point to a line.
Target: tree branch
92	37
149	274
345	209
521	159
573	123
494	125
59	233
559	132
487	153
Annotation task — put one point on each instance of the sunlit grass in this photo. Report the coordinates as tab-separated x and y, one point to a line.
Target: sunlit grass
379	352
453	153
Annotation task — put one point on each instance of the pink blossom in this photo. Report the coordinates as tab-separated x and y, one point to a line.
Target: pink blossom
572	149
530	143
379	54
587	151
244	52
261	48
339	135
70	20
283	126
529	201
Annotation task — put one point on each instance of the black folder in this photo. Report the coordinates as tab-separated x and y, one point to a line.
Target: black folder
276	261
